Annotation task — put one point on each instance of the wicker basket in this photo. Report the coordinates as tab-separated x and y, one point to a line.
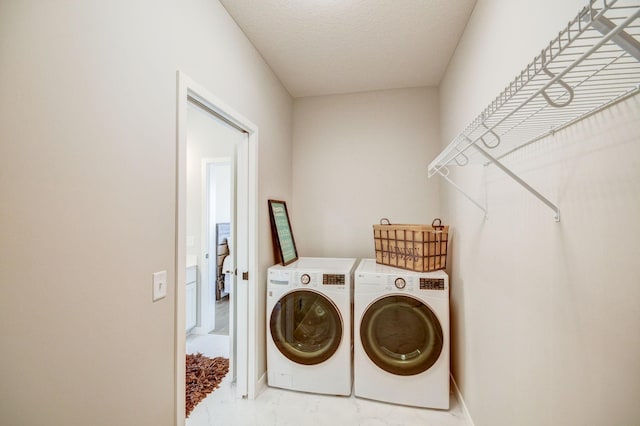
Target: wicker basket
420	248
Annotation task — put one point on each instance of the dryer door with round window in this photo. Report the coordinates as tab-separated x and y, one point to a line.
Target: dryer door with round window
306	327
401	335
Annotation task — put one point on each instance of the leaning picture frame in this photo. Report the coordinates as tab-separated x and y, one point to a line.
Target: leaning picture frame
284	245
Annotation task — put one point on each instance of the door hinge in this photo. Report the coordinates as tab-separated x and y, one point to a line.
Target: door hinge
245	275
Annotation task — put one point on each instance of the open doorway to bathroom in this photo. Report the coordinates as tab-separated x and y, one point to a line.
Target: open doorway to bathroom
208	310
192	251
211	232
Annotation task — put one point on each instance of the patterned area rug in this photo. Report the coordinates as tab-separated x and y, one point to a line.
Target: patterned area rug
203	377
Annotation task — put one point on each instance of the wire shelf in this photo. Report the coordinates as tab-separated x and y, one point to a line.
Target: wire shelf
592	63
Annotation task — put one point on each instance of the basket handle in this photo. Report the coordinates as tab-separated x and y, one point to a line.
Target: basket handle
439	225
385	219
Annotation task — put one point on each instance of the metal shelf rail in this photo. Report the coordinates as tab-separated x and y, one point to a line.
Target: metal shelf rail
591	64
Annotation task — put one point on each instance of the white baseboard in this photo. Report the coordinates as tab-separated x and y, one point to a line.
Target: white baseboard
465	411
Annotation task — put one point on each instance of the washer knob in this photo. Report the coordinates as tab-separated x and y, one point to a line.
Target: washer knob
400	283
305	279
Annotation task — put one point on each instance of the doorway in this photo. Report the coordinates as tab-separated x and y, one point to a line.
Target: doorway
211	233
242	239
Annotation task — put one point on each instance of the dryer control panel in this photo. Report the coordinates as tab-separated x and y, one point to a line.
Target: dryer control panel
432	284
400	283
397	283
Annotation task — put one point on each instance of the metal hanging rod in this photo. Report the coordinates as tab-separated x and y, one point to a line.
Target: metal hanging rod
591	64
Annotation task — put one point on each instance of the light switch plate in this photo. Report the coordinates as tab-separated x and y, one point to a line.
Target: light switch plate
159	285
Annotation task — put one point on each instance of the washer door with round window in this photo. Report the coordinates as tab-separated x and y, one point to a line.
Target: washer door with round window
306	327
401	335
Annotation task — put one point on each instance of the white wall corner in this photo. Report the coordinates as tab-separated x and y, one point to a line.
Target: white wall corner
465	411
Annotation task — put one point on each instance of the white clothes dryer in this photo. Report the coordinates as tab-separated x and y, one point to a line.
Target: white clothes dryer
401	335
309	325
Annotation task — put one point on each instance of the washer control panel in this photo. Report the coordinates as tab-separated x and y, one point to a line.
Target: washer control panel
318	279
333	279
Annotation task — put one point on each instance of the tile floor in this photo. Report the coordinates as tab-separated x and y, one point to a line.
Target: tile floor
280	407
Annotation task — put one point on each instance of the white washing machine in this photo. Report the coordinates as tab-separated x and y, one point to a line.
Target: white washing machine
401	335
309	325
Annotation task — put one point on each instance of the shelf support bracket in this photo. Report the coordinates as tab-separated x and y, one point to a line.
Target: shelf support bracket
445	175
621	38
526	186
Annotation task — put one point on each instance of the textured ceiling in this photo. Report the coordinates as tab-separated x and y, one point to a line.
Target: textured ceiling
319	47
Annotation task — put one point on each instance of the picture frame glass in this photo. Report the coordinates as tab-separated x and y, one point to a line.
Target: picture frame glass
284	243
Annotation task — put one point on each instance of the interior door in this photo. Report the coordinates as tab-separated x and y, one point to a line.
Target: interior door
239	321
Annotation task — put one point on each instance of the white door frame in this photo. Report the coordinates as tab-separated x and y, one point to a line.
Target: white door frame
247	379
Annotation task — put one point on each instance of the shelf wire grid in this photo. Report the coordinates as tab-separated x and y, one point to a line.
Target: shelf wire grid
579	72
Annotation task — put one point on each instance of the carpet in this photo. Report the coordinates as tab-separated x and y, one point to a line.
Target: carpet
203	377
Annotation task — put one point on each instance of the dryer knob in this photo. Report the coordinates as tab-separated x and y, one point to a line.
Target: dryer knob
305	279
400	283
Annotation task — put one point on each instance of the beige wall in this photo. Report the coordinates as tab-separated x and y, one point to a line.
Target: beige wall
358	158
87	196
545	315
